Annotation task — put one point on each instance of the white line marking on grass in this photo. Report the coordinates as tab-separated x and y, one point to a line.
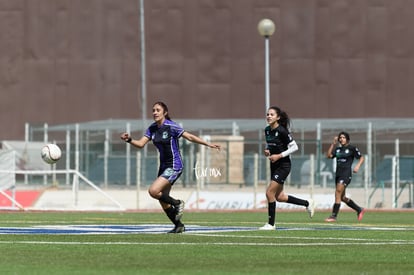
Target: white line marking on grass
293	238
115	229
208	243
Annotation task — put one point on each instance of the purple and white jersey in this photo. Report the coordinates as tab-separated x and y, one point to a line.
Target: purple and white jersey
165	138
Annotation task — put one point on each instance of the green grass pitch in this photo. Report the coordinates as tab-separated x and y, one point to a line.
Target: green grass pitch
383	243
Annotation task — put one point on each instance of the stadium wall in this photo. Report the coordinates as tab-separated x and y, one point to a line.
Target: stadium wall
209	199
74	61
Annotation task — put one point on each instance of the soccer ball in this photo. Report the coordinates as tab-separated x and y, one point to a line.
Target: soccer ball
51	153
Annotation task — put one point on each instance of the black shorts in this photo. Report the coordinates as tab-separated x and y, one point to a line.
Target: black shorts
343	180
279	171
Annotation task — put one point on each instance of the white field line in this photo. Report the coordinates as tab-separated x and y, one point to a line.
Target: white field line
209	243
301	237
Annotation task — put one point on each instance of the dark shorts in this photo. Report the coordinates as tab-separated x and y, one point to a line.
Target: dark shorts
279	171
171	175
343	180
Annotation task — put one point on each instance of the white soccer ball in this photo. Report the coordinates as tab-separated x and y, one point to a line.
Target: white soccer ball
51	153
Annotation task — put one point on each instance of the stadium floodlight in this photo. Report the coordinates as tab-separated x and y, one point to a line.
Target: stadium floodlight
266	28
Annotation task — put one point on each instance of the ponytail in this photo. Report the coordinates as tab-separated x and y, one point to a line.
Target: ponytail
284	119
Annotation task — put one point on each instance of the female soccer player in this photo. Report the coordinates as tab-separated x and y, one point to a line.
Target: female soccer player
279	145
345	154
164	134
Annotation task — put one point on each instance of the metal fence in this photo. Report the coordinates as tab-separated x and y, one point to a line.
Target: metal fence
95	150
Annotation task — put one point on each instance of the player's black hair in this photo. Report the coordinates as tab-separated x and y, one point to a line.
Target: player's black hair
284	119
164	107
345	134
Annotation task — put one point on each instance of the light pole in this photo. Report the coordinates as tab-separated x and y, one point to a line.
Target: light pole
266	28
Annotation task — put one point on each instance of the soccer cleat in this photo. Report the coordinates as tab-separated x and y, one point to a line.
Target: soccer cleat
311	208
267	227
361	214
180	209
177	229
331	219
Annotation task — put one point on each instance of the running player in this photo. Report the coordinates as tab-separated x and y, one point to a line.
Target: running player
164	134
279	145
345	154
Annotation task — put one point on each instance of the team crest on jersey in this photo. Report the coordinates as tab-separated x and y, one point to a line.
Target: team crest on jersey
164	135
346	151
276	133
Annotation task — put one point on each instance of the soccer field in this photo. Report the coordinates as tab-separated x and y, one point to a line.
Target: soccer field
215	243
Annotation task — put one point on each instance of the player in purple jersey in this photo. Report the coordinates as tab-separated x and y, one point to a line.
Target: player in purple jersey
345	153
279	145
164	134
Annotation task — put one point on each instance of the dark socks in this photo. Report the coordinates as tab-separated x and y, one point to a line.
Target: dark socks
297	201
271	210
167	199
353	205
335	210
170	211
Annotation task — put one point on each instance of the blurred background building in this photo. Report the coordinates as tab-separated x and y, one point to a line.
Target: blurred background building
78	61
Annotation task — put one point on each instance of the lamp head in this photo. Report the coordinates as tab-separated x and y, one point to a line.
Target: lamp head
266	27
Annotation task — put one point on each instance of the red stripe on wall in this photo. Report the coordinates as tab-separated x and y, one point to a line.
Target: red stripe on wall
25	198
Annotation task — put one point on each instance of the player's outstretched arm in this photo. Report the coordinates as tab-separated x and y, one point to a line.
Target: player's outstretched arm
193	138
139	143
